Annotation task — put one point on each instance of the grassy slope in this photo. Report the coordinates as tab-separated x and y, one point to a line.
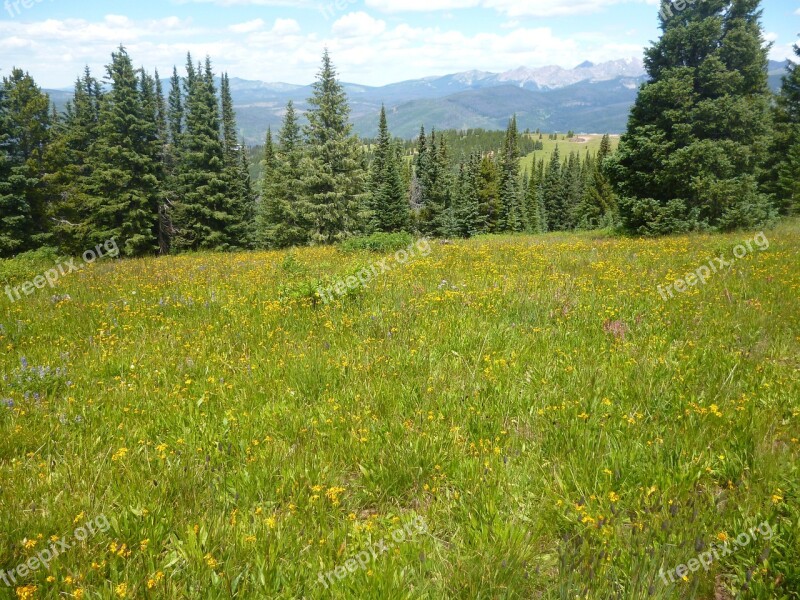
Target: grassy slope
561	429
592	143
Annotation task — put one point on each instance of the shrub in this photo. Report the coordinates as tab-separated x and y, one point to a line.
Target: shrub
27	265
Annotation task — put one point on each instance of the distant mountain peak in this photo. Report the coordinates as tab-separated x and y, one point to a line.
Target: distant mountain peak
587	64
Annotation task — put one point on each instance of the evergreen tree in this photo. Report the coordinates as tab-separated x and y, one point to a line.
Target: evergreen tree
694	148
281	222
432	165
240	231
388	206
597	207
489	205
466	200
784	176
123	188
572	185
512	216
24	135
334	180
553	195
175	114
537	218
69	168
202	213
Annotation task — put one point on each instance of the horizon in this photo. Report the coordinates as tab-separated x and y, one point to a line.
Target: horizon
374	42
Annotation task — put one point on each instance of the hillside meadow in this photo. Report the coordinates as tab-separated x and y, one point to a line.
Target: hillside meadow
581	143
502	417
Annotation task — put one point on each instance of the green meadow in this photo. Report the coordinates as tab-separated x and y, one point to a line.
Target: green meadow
503	417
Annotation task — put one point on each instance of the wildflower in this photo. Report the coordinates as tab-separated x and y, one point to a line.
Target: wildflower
26	592
119	454
613	496
121	590
776	497
155	580
211	561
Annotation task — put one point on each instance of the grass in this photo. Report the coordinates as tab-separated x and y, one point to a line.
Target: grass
560	429
579	144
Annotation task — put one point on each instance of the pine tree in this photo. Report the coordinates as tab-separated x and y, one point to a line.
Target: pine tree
69	168
334	180
155	110
281	222
572	184
512	216
488	195
784	175
388	207
553	195
202	215
429	174
537	219
175	113
25	124
465	199
123	188
694	149
240	231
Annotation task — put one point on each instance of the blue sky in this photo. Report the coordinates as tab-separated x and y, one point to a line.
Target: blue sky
372	42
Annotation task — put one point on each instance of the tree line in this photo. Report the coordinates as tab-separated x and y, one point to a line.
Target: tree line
708	147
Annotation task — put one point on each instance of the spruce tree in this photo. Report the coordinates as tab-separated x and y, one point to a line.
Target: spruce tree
553	195
784	176
388	206
334	179
69	168
694	149
488	186
282	202
202	215
175	113
512	216
240	231
25	123
572	183
123	188
537	219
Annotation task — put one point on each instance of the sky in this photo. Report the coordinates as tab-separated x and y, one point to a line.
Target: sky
372	42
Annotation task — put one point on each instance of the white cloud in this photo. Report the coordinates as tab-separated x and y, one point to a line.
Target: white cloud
286	27
247	26
365	49
358	24
511	8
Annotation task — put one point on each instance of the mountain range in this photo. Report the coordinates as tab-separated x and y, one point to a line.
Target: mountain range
589	98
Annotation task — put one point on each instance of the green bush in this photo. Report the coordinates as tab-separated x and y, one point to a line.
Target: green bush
27	265
379	242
